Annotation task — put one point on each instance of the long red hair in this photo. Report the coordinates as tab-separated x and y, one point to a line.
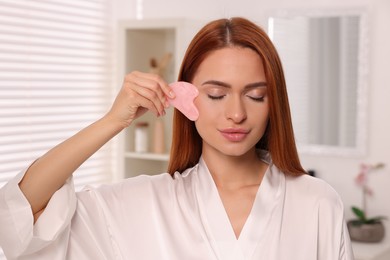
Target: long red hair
278	138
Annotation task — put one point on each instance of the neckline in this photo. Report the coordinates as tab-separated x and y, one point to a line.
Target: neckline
216	221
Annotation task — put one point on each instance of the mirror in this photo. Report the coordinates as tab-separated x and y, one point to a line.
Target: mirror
324	56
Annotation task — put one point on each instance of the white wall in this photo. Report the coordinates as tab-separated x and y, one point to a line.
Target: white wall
339	172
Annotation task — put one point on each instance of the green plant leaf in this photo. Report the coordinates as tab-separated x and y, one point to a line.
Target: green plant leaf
359	213
357	222
375	220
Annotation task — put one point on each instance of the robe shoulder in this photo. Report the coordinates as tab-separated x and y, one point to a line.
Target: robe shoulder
314	192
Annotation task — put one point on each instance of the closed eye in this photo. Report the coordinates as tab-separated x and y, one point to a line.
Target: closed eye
216	97
257	99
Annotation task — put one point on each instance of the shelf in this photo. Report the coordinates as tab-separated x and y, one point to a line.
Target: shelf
375	251
138	42
147	156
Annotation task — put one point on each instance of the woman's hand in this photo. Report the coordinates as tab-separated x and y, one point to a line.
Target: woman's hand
140	92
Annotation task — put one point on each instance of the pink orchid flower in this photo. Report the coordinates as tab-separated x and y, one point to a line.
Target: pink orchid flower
362	180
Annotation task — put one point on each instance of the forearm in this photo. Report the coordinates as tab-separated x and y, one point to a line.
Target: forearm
50	171
140	92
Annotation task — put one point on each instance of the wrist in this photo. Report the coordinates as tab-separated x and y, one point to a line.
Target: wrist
114	123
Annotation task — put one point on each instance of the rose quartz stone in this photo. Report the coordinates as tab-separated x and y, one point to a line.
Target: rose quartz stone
184	101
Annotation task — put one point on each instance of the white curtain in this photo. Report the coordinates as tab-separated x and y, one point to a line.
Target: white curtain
55	78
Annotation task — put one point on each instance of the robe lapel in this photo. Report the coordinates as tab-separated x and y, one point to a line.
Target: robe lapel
260	221
214	218
263	223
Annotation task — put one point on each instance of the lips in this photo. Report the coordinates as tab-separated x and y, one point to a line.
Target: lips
234	134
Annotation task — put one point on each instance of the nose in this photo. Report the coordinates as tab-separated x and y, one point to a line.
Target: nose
235	110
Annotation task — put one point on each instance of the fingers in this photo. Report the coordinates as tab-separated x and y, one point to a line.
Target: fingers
152	91
167	91
148	98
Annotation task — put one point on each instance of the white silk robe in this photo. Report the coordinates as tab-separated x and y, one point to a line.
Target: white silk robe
160	217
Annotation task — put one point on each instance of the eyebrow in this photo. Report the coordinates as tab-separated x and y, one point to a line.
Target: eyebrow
226	85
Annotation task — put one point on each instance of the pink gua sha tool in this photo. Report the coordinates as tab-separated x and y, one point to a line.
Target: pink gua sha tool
184	101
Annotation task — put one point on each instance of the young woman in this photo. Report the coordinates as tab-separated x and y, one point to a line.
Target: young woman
235	188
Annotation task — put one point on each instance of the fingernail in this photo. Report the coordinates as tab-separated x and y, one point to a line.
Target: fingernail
171	94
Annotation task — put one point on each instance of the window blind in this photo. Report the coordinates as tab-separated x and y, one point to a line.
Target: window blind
295	58
55	79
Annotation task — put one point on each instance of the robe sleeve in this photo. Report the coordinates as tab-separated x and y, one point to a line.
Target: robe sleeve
333	237
20	238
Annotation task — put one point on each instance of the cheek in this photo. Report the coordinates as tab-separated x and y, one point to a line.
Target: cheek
207	109
264	113
208	116
261	118
200	103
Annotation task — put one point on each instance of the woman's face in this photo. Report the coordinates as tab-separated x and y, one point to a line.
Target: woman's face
232	102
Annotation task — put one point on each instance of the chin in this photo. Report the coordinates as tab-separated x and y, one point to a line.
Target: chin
237	151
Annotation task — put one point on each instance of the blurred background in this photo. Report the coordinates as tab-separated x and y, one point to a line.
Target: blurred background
62	63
